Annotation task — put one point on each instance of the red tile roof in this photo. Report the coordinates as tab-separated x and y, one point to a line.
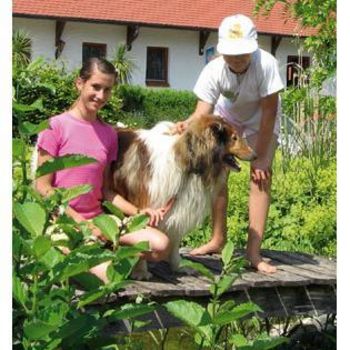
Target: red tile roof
190	14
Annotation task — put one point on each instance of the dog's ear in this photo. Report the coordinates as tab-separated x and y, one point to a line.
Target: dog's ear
219	131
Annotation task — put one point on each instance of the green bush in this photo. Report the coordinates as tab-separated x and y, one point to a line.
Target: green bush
146	107
53	86
47	82
302	214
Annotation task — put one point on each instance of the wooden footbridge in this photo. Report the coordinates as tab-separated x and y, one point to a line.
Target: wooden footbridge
303	285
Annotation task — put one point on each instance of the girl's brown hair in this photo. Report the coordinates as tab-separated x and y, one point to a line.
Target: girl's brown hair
101	64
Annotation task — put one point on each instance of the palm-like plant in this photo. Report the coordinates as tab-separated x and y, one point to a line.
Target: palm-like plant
123	64
21	48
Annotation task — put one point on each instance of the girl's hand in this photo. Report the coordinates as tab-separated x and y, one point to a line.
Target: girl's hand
260	174
179	128
157	215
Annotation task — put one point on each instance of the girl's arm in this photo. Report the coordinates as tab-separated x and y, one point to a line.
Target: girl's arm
111	196
155	215
43	185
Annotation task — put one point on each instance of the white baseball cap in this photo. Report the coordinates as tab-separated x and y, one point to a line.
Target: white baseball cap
237	36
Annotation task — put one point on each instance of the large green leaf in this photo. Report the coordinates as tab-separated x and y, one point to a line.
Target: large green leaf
73	269
29	129
130	251
227	252
41	246
121	270
198	267
238	340
108	227
87	281
80	260
36	330
74	326
224	284
190	313
73	192
31	216
23	108
236	313
19	290
264	344
138	222
59	163
114	210
101	292
129	311
51	258
52	309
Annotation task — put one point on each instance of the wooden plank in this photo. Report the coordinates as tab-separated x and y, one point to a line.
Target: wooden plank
284	263
251	278
327	264
294	271
280	278
306	262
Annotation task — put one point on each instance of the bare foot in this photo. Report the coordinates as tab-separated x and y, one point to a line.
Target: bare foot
208	248
262	266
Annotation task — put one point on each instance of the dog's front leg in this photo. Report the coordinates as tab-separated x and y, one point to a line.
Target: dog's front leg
174	255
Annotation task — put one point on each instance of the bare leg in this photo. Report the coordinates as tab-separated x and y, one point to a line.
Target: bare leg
158	241
159	250
219	216
259	202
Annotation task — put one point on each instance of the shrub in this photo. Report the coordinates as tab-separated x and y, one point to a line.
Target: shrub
302	214
148	106
53	86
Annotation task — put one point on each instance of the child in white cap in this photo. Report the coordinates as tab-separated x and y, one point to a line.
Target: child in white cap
242	86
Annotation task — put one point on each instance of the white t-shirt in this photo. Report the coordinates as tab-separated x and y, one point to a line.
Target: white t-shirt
236	97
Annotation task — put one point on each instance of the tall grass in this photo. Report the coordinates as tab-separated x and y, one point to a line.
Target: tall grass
308	128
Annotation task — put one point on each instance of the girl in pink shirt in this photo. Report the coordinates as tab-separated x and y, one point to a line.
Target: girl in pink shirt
81	131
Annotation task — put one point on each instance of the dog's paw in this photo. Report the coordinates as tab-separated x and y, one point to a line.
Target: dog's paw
140	271
141	275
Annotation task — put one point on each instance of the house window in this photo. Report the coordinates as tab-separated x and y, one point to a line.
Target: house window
93	50
157	66
296	66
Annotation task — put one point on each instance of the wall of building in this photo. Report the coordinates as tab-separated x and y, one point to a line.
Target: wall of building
185	63
42	33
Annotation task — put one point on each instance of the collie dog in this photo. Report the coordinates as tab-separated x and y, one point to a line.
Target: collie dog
154	166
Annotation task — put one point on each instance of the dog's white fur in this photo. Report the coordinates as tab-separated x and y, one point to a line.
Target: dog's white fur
168	180
166	177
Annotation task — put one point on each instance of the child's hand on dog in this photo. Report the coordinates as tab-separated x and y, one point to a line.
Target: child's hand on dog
157	215
178	128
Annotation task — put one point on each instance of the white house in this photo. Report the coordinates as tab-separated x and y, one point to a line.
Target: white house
170	40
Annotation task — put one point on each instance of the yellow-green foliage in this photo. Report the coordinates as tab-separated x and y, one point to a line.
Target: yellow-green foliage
302	214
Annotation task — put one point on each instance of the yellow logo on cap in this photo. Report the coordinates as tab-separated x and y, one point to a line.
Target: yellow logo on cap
235	32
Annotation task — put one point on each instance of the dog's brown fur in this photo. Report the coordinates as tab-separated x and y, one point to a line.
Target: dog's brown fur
196	168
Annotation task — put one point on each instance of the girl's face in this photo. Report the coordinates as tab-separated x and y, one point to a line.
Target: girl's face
238	63
95	92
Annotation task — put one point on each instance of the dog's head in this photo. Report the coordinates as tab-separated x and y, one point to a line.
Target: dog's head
209	144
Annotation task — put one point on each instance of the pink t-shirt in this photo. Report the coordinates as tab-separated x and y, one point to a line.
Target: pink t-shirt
69	135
